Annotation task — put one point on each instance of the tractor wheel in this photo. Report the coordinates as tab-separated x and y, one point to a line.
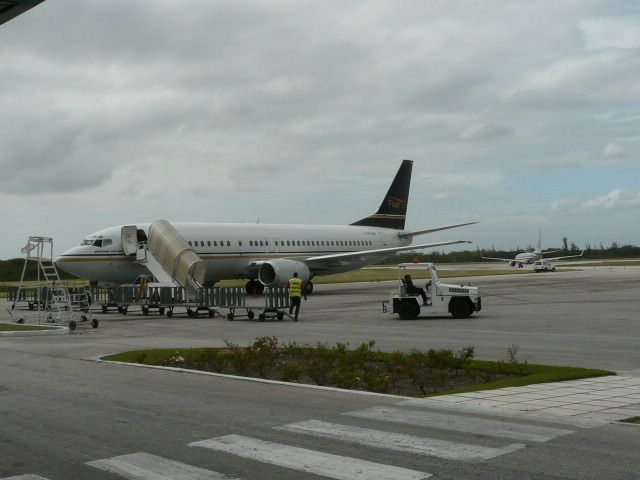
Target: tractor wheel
408	311
460	308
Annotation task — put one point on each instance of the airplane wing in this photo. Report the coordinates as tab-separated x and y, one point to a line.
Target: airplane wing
323	262
431	230
566	256
501	259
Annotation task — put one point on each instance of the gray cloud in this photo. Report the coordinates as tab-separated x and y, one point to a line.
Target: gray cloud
202	110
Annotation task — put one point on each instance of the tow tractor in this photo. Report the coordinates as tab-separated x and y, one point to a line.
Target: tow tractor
439	298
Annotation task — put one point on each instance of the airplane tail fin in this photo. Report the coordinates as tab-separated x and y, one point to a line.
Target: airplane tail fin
393	209
539	249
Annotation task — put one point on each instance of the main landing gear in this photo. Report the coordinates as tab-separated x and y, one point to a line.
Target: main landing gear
254	287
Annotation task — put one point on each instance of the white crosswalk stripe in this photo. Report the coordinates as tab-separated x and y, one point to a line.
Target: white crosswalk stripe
311	461
399	442
490	427
144	466
28	476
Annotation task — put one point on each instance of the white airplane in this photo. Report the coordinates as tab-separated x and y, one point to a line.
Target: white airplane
267	255
527	258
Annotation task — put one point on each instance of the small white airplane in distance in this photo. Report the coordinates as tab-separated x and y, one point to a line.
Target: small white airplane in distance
267	255
527	258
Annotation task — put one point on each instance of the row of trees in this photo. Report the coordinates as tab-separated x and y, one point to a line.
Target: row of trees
10	270
569	248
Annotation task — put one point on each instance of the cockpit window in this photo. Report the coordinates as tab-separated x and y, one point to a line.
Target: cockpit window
106	242
87	241
97	243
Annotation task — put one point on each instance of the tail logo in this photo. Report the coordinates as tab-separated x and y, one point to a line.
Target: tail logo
396	203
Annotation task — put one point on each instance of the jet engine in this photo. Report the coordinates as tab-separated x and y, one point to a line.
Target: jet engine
276	273
512	264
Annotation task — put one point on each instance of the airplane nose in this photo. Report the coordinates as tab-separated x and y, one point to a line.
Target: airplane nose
64	262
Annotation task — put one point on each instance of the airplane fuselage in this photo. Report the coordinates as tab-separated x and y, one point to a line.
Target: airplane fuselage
229	249
526	258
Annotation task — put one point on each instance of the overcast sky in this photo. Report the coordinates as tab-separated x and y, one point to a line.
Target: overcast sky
521	115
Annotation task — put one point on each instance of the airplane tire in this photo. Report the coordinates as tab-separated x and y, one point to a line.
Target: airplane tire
72	325
308	288
95	323
460	308
250	314
262	317
408	310
280	315
230	316
104	309
253	287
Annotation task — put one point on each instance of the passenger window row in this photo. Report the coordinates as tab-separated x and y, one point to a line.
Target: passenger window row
287	243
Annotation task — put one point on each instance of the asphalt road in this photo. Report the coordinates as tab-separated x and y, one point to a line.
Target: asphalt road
64	416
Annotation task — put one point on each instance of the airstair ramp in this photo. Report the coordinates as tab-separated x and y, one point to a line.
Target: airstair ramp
174	254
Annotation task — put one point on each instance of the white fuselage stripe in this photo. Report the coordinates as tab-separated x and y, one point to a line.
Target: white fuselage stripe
481	426
310	461
398	441
144	466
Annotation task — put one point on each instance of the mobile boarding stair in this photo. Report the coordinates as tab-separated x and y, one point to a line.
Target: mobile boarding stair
49	300
172	264
178	276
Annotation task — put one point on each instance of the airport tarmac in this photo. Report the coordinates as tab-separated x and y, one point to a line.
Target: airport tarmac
66	416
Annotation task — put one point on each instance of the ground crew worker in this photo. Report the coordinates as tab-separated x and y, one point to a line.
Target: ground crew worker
142	287
413	290
295	286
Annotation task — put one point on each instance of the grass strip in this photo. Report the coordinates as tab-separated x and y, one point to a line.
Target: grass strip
10	327
428	373
635	420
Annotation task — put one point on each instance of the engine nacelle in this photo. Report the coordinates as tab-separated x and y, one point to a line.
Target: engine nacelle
512	264
276	273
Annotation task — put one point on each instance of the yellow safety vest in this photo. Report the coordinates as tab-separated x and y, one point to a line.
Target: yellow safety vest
295	287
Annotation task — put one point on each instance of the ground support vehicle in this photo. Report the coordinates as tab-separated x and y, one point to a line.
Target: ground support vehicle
543	266
272	304
458	300
228	302
103	298
49	299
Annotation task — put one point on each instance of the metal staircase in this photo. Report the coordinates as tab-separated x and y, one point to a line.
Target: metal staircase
170	259
54	301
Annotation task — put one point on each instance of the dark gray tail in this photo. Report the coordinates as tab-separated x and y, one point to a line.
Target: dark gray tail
393	210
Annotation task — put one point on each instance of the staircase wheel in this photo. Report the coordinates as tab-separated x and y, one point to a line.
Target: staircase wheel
72	325
95	323
250	314
230	316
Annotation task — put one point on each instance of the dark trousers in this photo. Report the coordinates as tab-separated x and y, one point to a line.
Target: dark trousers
418	291
295	302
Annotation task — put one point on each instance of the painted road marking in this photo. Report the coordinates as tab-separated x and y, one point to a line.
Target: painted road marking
311	461
399	442
481	426
144	466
